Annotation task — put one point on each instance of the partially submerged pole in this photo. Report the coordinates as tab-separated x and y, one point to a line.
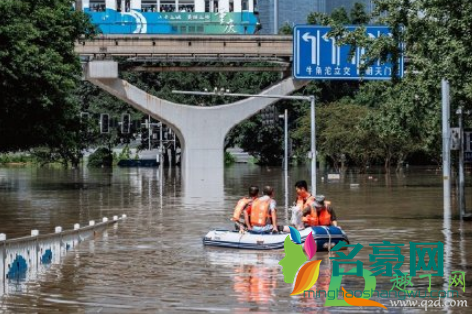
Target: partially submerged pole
461	165
313	145
286	156
446	153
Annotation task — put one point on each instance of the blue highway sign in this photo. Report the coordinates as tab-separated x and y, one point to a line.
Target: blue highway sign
318	57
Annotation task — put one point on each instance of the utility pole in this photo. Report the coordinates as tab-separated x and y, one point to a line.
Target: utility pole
161	147
149	132
285	117
313	145
446	153
461	164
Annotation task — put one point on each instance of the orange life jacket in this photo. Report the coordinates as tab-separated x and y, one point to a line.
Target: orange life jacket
260	212
321	219
304	202
242	203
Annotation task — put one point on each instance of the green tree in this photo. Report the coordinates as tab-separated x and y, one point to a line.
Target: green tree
286	29
339	134
318	18
437	42
358	14
38	73
396	124
340	16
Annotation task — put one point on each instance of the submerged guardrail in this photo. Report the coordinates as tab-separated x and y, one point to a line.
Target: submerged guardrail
25	256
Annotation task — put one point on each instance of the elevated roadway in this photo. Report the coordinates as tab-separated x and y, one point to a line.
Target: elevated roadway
185	48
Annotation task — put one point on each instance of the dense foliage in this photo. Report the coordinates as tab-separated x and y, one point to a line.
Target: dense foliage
38	73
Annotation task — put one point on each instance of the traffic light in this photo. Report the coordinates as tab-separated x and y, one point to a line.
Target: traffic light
455	139
125	123
104	123
269	115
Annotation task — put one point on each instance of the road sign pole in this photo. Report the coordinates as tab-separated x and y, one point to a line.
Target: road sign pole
313	145
445	149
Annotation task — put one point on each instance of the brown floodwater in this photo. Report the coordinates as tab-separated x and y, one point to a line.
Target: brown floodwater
155	261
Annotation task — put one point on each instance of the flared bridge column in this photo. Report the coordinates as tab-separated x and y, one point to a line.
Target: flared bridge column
201	130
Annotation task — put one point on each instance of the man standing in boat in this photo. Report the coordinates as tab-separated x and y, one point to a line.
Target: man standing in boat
263	216
319	213
304	199
244	205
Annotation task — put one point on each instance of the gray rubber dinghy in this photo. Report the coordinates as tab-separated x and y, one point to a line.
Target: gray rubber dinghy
324	237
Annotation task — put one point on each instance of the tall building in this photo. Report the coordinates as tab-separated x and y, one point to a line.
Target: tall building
331	5
296	11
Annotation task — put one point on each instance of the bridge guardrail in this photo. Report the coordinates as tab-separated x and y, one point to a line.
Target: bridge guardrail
26	256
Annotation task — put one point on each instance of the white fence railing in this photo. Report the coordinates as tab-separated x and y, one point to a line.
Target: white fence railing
25	257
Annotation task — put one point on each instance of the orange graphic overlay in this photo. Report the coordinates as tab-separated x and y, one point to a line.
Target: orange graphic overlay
307	277
354	301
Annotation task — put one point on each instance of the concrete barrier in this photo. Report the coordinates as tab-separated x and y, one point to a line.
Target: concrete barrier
25	257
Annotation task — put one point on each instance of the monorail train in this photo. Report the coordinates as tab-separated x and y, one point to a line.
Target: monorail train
172	16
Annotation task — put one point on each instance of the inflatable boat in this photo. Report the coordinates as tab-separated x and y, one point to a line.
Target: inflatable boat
324	237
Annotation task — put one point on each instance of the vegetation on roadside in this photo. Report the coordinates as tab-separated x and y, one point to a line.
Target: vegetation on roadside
102	157
38	74
10	158
229	159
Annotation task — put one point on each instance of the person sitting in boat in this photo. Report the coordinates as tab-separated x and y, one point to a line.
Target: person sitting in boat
263	216
319	213
243	205
304	199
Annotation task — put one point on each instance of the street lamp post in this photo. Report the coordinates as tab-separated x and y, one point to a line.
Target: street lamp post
311	99
285	117
313	145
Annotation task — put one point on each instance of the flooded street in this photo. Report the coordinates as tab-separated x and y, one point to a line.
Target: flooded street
154	261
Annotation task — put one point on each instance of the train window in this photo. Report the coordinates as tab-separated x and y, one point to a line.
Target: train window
200	29
97	6
167	6
183	29
191	29
245	5
123	5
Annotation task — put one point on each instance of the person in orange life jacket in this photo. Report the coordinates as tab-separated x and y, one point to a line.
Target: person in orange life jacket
263	216
319	213
303	197
243	205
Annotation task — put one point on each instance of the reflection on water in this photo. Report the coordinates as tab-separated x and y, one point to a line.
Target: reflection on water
155	261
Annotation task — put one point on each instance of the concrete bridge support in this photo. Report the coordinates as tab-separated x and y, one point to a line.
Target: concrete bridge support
201	130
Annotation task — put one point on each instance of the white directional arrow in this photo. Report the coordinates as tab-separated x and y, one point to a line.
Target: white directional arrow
314	47
335	50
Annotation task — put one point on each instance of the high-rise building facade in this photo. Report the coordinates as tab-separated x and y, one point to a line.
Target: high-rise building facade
329	6
296	11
